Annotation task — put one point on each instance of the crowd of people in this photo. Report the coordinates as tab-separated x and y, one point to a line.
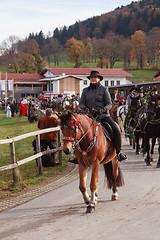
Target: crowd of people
27	107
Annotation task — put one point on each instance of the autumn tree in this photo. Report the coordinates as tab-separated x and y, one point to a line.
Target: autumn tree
153	46
125	51
75	51
138	48
52	48
113	44
100	50
23	63
31	47
89	50
9	45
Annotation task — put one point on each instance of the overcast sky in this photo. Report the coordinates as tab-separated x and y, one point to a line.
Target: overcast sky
21	17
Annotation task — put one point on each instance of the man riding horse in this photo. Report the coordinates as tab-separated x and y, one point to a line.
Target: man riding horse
96	100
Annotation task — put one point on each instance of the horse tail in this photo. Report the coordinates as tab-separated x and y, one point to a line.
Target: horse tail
111	181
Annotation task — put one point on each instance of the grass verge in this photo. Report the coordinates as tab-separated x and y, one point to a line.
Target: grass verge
29	177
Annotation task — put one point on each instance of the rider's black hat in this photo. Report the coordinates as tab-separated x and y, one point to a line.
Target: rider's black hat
95	74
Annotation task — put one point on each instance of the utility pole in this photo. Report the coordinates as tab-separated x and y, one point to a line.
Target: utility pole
6	91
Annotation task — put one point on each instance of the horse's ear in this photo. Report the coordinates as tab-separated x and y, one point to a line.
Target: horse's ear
69	113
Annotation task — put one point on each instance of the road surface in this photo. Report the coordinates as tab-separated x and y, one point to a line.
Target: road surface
60	214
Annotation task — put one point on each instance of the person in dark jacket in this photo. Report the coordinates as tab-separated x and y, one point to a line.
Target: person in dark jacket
96	100
49	139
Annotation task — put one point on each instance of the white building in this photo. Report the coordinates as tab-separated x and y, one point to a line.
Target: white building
73	80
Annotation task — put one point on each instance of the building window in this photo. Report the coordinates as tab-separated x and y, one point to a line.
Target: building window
106	83
85	82
44	87
112	83
118	83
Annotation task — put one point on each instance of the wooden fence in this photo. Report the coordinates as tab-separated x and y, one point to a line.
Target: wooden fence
14	164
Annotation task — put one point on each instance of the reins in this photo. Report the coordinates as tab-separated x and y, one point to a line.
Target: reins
84	153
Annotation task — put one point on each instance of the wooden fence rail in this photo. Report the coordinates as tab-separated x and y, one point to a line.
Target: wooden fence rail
14	164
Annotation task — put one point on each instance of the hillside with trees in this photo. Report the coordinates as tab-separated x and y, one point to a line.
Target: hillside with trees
127	34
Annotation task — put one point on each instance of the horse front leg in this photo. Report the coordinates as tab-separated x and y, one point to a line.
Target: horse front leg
158	163
152	148
147	159
82	182
93	187
137	143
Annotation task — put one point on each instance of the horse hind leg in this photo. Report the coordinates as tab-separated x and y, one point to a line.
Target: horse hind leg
115	171
114	177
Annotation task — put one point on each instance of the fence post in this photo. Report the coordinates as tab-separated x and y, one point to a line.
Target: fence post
59	145
15	171
38	149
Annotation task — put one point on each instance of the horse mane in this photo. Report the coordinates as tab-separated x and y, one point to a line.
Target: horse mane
67	115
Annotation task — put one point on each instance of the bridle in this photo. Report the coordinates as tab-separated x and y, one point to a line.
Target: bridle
76	142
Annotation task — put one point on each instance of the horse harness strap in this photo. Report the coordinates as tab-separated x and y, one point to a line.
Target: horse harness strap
84	153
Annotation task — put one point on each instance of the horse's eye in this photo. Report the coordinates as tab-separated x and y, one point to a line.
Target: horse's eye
71	128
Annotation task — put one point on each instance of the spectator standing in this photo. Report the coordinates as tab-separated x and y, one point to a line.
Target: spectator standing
33	115
12	108
8	110
49	139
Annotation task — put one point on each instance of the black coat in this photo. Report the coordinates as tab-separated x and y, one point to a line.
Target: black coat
97	97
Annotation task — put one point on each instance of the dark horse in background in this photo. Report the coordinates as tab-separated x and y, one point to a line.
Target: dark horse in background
151	127
92	149
133	129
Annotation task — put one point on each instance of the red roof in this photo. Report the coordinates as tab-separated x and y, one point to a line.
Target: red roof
86	71
24	76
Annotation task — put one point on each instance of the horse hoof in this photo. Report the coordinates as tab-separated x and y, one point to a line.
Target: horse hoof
137	153
114	196
148	164
90	209
87	202
158	165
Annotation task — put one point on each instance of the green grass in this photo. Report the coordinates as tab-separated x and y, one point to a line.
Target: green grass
11	127
140	76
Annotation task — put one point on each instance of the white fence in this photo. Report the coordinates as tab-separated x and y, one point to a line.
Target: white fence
14	164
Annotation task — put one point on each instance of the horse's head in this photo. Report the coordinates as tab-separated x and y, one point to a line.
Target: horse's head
154	107
69	125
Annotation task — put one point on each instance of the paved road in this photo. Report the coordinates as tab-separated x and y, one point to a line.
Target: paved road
60	214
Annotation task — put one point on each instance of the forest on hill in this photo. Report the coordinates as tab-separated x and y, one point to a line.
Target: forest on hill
127	34
141	15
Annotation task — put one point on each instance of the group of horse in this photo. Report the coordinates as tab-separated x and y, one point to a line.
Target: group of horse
83	135
144	126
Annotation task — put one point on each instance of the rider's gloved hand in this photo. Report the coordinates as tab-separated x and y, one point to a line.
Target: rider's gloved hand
100	111
93	112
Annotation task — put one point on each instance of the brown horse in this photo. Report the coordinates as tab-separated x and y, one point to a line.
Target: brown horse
92	148
113	112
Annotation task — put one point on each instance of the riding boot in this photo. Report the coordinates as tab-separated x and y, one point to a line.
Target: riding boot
117	143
